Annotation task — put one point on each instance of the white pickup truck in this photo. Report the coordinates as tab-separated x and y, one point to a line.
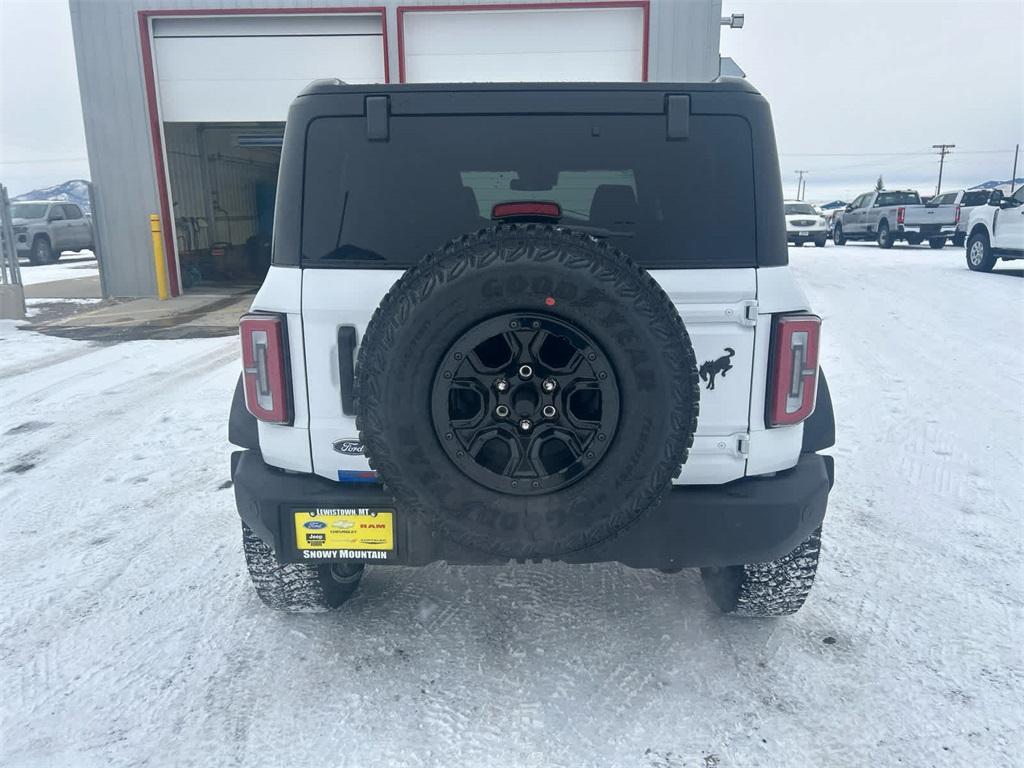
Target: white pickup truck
892	215
966	200
996	231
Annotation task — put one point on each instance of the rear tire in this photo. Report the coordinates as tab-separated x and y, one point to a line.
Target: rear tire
776	588
979	253
885	239
914	239
820	242
837	235
958	240
937	243
297	587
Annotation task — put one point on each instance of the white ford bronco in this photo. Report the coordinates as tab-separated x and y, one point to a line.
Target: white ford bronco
531	322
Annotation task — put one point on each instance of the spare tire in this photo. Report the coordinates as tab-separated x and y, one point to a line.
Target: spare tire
528	390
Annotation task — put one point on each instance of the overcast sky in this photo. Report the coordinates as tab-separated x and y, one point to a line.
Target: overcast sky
846	79
857	88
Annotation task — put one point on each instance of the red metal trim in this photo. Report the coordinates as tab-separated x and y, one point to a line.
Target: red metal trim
644	4
149	75
170	252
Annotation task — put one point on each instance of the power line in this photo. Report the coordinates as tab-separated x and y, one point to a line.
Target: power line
45	160
923	153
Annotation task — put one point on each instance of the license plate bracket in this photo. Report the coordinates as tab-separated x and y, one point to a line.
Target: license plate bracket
344	533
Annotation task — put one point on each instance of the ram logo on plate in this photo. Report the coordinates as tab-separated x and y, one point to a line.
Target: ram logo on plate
349	446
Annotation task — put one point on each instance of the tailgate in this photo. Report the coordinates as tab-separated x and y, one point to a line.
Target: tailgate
714	304
924	215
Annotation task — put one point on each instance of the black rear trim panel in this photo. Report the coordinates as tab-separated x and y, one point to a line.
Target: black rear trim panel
820	427
242	428
746	521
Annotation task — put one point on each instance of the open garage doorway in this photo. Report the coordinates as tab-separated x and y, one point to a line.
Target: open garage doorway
219	83
223	179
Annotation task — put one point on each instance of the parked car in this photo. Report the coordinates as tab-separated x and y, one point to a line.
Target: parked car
44	229
533	335
804	224
965	200
892	215
996	231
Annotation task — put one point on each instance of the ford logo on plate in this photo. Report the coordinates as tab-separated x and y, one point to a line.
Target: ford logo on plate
349	446
314	524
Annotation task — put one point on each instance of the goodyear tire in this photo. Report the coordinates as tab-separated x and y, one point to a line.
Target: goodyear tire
461	352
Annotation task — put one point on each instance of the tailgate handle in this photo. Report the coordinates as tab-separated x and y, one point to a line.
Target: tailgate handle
347	368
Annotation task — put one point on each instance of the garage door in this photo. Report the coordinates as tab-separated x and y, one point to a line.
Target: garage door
602	44
249	68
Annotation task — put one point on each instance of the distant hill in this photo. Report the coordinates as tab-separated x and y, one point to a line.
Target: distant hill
74	191
1001	185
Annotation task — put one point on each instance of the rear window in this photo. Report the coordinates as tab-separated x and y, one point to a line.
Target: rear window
897	198
980	197
385	204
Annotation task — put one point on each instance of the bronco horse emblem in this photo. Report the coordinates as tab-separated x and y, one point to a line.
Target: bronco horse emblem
712	368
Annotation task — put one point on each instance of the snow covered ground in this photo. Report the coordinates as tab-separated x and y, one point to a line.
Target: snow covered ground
71	265
129	634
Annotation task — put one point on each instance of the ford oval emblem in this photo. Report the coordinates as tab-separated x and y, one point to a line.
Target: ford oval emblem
314	524
349	446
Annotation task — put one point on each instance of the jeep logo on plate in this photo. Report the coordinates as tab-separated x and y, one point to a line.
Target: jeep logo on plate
350	446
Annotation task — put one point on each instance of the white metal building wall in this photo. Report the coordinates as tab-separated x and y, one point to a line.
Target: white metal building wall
683	46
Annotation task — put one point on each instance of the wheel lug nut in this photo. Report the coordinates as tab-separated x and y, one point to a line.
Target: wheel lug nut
526	425
501	385
549	385
549	411
502	411
525	371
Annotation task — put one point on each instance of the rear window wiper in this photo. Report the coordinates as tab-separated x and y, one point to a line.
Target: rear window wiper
349	252
599	232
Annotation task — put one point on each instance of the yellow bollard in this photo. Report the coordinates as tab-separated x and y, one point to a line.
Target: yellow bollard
158	257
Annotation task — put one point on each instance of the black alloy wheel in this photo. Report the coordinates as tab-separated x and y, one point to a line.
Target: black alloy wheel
525	403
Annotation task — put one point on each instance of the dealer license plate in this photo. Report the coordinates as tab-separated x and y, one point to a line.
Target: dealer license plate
345	533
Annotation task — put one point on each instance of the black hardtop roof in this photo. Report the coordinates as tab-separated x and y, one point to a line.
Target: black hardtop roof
334	86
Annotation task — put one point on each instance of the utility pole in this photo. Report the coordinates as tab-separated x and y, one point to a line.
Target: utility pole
943	151
799	184
1013	176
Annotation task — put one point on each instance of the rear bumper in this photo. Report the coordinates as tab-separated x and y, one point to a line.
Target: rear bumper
928	230
746	521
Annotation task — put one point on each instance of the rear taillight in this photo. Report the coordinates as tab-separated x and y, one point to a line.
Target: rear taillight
901	214
956	217
794	371
265	367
